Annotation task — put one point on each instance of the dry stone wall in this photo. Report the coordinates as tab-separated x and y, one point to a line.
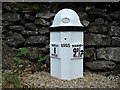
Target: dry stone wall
29	28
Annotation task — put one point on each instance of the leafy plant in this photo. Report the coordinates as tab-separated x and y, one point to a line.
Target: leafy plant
10	79
19	61
23	51
41	59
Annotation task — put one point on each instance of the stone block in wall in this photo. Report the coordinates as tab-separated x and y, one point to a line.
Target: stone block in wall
15	40
42	22
30	26
95	13
17	28
11	17
46	49
34	53
83	16
45	15
101	65
10	8
85	22
29	17
109	53
29	33
7	7
106	73
35	40
80	9
44	31
99	21
6	23
114	31
97	40
96	28
89	52
8	33
115	41
113	23
115	15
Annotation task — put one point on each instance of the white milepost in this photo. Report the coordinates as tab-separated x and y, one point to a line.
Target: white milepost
66	45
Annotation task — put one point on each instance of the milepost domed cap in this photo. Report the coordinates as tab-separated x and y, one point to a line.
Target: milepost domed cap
68	20
66	17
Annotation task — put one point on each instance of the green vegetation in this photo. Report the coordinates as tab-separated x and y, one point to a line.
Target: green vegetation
23	51
19	61
41	59
11	80
44	66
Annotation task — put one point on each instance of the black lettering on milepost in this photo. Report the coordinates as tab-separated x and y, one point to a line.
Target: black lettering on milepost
74	52
77	52
54	50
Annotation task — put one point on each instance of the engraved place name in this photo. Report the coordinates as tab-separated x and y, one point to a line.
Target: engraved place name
77	45
54	45
54	50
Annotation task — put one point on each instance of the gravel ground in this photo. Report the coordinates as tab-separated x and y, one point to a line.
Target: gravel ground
90	80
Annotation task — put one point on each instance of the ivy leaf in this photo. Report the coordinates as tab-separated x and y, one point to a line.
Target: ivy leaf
19	54
19	61
41	59
23	51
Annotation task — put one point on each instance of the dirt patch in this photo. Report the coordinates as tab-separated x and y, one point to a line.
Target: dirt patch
90	80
